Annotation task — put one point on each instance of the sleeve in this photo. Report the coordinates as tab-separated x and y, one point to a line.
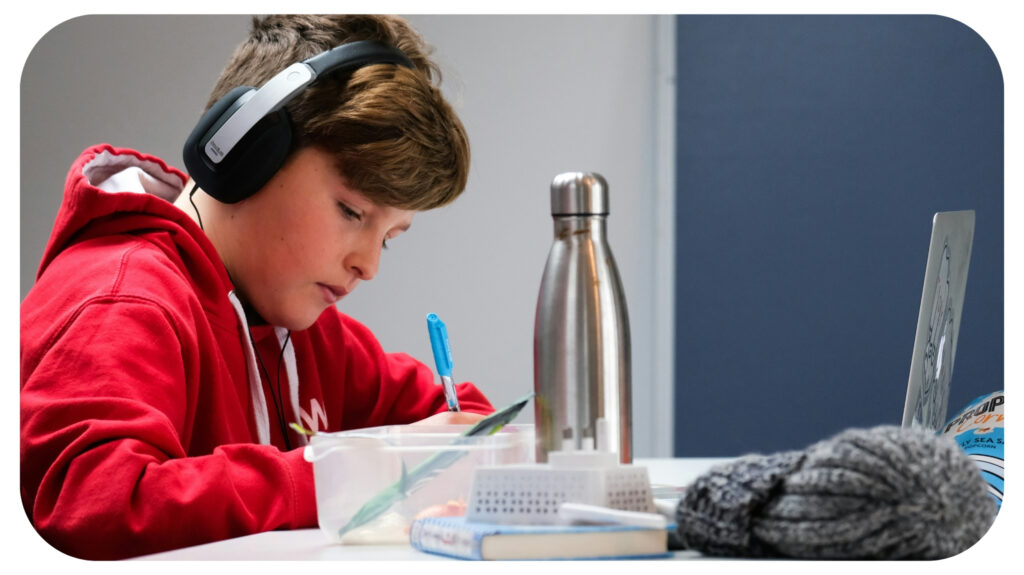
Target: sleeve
106	413
393	388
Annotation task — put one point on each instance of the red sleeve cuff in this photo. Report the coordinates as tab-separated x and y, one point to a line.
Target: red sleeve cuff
303	489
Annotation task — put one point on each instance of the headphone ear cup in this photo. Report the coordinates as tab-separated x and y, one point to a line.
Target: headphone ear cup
252	162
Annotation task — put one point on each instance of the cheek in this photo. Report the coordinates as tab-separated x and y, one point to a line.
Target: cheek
308	243
274	249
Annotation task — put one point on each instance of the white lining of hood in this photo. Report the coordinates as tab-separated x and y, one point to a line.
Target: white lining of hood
125	173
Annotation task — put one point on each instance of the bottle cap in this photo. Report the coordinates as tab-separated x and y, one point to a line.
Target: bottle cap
579	194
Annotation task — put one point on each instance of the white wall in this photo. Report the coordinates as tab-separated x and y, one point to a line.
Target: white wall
539	95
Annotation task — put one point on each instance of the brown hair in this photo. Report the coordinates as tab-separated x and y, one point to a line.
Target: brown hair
395	138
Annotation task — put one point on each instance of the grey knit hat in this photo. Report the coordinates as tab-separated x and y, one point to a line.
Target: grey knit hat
880	493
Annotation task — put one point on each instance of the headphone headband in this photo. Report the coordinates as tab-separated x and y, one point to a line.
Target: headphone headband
287	83
237	115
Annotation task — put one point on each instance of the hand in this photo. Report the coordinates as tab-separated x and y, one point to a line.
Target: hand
451	418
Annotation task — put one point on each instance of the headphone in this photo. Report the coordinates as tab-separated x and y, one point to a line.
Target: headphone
243	139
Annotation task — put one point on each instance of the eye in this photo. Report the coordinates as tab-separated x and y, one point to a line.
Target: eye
349	213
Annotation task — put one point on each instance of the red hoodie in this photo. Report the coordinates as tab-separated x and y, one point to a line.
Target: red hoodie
147	421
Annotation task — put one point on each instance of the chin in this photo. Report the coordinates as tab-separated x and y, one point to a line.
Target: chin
300	324
297	321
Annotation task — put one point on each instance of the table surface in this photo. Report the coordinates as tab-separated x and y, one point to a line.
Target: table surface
312	544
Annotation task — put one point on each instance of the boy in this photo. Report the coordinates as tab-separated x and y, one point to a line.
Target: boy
174	333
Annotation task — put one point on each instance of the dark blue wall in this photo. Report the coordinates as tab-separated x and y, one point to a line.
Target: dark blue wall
812	152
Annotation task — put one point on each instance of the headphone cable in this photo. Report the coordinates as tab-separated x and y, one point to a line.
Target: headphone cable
275	395
195	186
280	394
278	401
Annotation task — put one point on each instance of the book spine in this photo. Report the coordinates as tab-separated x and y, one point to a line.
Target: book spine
447	540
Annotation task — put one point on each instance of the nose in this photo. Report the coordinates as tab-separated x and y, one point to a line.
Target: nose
363	260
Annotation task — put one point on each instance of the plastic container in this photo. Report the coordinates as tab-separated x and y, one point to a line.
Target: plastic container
351	468
532	493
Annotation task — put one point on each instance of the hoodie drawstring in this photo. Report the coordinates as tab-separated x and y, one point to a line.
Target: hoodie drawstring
259	400
291	372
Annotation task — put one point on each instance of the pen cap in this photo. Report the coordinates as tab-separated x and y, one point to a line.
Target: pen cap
579	194
439	344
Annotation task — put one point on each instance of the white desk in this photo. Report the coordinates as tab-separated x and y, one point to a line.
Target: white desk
312	544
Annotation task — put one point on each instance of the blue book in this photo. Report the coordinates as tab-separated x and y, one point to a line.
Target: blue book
456	537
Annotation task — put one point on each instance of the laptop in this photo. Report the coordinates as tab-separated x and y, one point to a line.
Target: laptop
938	321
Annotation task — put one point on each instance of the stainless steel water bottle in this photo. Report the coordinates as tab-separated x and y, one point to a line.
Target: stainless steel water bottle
581	355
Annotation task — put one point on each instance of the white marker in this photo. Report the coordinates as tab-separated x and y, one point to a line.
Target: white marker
583	513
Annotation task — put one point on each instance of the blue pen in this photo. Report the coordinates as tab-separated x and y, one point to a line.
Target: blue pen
443	358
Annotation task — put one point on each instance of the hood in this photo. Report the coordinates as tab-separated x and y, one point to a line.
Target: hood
113	190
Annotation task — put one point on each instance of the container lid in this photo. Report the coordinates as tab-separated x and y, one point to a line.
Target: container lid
579	194
421	438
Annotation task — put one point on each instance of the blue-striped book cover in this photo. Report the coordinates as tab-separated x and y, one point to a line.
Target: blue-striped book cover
458	538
